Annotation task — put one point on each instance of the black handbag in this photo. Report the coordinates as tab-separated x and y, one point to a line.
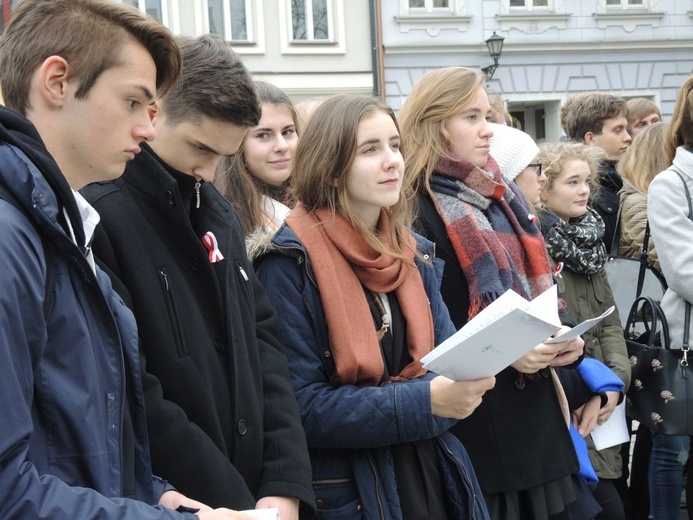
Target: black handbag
661	390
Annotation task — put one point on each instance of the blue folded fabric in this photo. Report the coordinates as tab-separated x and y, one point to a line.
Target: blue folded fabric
598	377
586	472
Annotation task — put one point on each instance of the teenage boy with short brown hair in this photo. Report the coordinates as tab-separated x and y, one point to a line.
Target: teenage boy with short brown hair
600	120
223	421
77	76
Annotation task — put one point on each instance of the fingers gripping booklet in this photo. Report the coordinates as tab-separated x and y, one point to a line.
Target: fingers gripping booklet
501	334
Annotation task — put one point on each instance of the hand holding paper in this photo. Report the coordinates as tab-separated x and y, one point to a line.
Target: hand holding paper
501	334
457	400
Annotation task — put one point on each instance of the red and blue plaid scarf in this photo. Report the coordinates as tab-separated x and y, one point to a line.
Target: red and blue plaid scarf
498	245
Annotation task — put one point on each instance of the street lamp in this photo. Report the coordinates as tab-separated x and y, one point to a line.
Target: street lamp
495	46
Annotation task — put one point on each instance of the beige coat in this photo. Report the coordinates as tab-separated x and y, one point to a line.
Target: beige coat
633	221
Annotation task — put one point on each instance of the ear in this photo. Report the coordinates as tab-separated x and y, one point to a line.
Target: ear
589	138
153	109
53	81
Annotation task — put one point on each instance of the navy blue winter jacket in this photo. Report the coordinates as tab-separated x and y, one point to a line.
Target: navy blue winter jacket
350	429
62	374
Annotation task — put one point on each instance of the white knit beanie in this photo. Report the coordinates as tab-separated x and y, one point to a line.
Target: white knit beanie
512	149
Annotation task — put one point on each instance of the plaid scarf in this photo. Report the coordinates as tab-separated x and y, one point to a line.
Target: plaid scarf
577	243
496	242
343	263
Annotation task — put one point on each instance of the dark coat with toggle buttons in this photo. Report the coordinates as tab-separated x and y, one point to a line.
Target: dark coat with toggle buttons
223	422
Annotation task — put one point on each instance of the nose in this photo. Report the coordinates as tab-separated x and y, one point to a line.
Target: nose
393	160
144	130
280	144
207	169
486	129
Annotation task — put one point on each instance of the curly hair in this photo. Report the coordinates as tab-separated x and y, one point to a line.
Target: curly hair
553	157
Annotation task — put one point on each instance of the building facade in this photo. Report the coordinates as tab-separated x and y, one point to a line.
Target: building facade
308	48
552	49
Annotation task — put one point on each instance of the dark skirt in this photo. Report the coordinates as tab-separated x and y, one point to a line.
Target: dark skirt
566	499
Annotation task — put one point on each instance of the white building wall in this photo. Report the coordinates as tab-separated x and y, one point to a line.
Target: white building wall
546	58
302	70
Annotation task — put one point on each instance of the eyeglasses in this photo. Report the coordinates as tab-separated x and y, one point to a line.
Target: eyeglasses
537	166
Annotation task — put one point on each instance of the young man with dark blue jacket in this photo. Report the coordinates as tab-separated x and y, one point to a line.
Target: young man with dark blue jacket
77	77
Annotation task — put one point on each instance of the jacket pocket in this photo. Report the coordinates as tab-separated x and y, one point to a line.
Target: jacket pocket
337	499
173	314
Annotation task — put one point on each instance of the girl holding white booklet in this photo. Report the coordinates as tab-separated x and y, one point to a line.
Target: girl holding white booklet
358	302
518	438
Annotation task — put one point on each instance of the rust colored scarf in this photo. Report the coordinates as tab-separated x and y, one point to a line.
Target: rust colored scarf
343	263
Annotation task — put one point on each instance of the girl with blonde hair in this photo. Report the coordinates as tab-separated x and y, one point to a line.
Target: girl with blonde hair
518	438
643	160
357	298
573	233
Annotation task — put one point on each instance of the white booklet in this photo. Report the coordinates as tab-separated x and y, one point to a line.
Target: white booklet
499	335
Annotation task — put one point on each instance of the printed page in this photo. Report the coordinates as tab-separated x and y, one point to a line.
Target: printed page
500	334
614	431
545	306
503	305
582	328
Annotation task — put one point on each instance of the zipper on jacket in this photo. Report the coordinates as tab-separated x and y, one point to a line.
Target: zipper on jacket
377	485
173	313
305	260
466	476
197	194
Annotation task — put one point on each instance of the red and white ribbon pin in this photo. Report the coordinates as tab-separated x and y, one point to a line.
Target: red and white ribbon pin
557	271
210	242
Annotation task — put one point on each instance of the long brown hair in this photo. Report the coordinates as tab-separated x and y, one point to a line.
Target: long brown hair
645	157
325	154
435	98
234	178
681	124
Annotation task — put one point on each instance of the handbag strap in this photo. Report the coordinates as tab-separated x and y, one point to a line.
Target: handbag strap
687	316
614	250
643	259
